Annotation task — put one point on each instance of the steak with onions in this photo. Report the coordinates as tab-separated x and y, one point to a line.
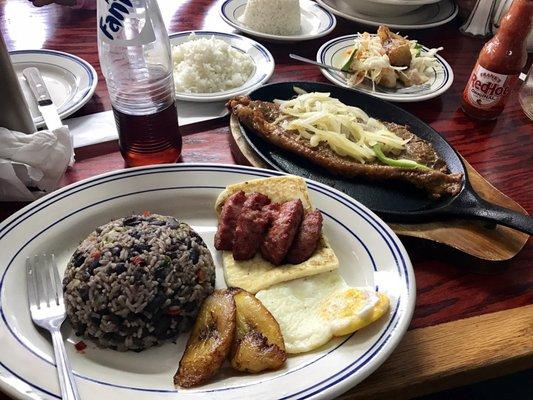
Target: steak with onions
260	116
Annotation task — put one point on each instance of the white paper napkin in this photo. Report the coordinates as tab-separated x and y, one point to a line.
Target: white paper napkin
36	161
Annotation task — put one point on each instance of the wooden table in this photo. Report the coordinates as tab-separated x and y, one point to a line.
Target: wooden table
473	319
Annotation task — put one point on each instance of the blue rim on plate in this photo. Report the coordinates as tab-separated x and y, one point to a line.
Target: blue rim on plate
263	65
84	95
440	83
231	9
335	384
353	15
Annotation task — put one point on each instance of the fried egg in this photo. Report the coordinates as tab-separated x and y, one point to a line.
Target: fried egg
311	311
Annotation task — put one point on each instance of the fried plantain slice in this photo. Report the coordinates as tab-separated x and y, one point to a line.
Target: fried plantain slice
210	341
258	344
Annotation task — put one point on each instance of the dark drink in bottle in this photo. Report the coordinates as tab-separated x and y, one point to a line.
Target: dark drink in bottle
149	139
134	53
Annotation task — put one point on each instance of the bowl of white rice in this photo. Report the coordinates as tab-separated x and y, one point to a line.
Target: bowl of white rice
215	66
278	20
274	17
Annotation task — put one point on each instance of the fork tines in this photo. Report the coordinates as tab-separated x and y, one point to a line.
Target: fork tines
44	284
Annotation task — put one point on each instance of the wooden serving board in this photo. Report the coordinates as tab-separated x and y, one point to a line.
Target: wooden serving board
472	237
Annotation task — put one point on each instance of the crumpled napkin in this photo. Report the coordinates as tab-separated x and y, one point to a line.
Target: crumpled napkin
36	161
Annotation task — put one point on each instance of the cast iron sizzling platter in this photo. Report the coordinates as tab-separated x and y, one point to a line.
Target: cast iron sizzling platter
393	201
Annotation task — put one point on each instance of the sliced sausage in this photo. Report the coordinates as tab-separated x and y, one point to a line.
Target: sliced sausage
307	238
271	211
255	201
228	220
251	227
281	234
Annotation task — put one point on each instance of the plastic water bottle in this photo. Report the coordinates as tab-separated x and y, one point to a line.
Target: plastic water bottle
135	57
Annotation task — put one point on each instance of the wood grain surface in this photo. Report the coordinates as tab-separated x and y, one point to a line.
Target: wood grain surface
450	285
448	355
476	238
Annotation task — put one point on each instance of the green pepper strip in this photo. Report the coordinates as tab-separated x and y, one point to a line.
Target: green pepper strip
348	63
401	163
418	47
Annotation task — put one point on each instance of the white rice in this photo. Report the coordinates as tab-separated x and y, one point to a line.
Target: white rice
211	65
275	17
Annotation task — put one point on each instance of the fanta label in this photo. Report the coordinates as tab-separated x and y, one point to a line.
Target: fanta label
113	19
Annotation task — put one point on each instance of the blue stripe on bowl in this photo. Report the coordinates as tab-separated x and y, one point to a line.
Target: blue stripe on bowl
386	94
51	199
225	13
268	58
374	266
454	10
176	188
91	74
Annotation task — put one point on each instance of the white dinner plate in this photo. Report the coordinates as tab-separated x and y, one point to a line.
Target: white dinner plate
427	16
261	57
388	8
70	80
334	53
315	21
370	254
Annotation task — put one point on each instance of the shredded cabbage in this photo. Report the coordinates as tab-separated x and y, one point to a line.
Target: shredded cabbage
370	61
347	130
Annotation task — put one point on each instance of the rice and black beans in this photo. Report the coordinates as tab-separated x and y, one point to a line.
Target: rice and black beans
136	281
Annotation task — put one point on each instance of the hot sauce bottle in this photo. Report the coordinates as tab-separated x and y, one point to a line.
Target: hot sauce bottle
499	64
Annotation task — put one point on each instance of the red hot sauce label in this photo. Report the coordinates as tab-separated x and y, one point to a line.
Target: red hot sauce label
486	89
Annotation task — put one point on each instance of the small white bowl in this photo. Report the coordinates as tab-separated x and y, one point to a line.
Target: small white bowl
261	57
387	8
334	52
316	21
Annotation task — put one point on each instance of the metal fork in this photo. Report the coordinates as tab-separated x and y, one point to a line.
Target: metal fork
342	75
45	297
